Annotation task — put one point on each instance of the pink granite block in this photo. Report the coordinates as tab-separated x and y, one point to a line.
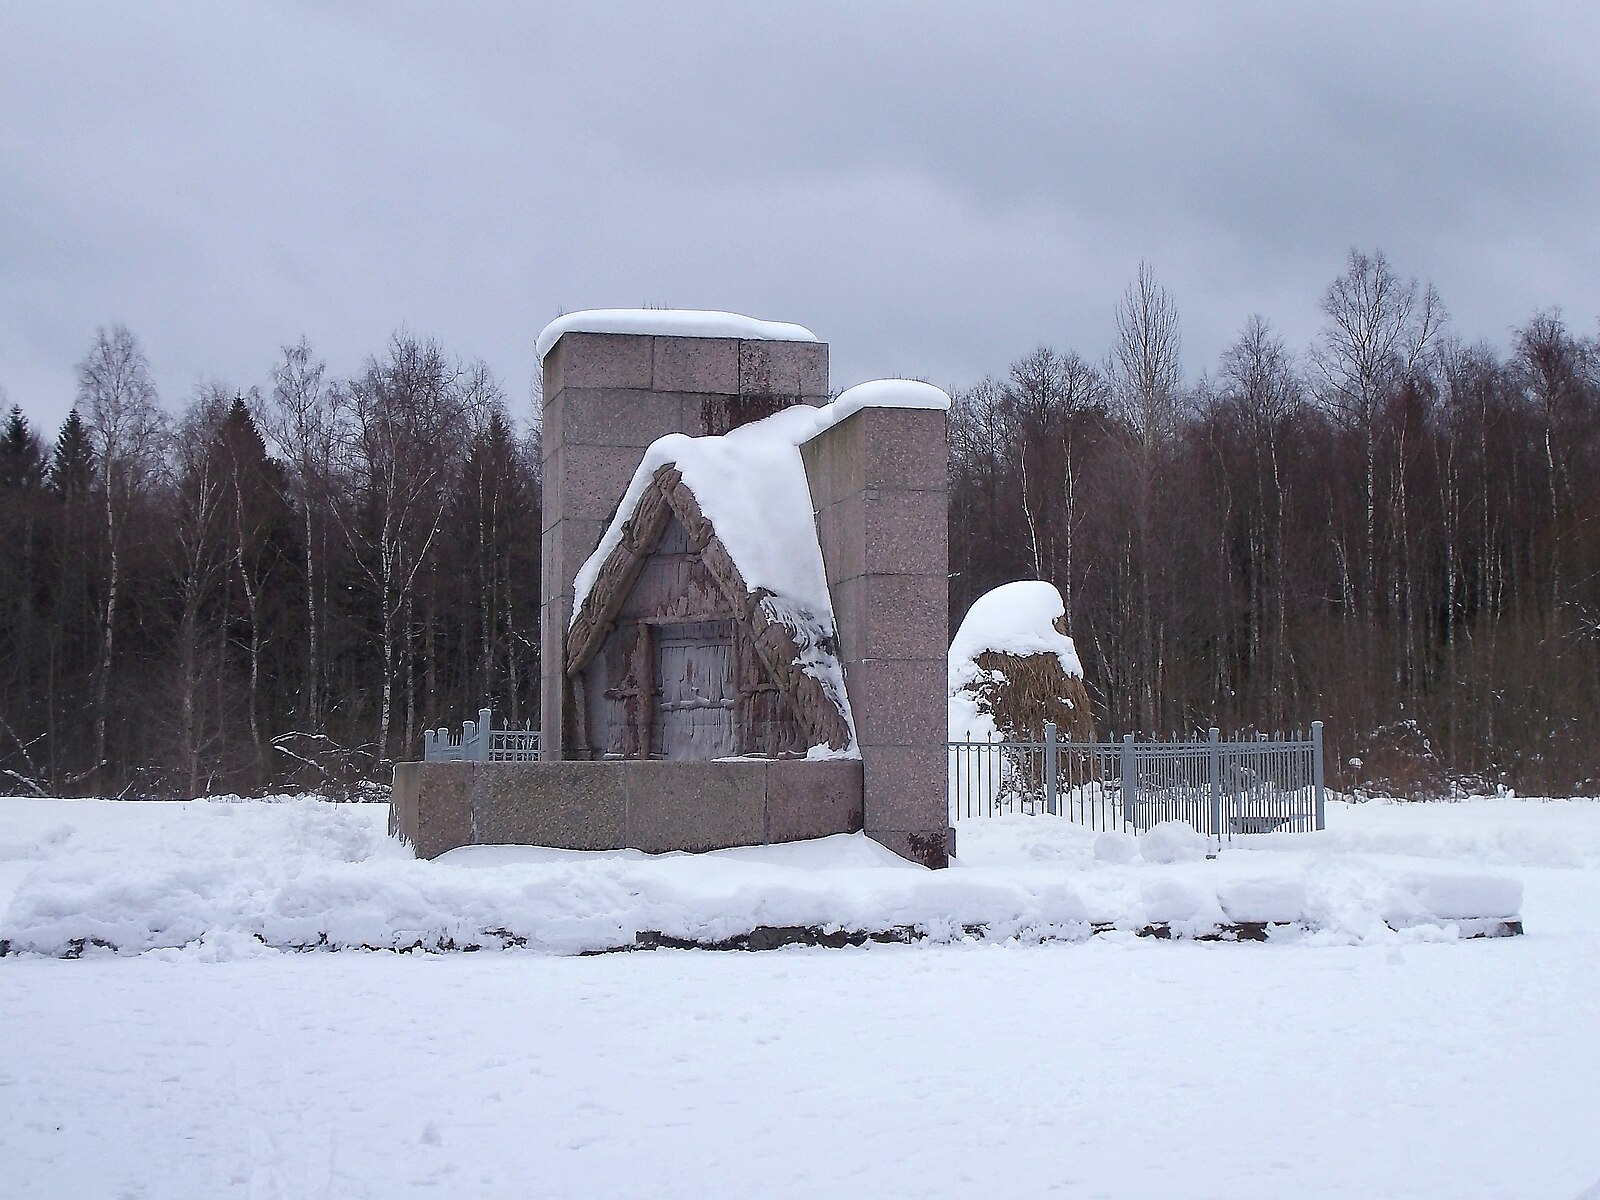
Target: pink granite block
905	617
906	787
599	360
593	478
614	417
899	702
905	533
798	369
813	799
431	807
906	449
696	365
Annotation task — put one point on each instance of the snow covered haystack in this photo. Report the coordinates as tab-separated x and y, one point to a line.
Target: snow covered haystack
1012	667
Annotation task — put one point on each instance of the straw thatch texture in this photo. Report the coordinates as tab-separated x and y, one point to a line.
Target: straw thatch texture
1022	692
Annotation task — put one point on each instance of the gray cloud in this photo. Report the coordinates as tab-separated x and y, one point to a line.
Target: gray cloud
933	188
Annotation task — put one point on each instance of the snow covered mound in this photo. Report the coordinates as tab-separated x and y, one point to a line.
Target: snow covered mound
1021	619
1015	618
670	322
231	878
1173	842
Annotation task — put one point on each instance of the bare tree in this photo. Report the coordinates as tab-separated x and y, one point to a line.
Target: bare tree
1146	380
198	552
1145	367
1259	392
127	432
1557	372
410	423
303	421
1034	401
1378	328
1048	401
258	513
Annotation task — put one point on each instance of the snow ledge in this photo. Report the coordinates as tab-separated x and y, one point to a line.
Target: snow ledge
670	322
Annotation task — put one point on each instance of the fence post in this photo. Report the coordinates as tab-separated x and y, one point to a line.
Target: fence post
1130	783
1214	771
1050	768
485	724
1316	773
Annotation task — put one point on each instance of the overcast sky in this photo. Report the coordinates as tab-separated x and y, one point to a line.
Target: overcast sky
934	189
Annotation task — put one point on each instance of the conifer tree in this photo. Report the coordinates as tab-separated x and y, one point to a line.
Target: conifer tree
22	464
72	464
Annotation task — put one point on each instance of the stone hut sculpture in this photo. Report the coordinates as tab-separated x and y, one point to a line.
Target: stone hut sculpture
748	645
674	655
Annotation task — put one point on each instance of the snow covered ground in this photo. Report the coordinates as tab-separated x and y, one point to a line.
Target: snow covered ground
139	876
1395	1065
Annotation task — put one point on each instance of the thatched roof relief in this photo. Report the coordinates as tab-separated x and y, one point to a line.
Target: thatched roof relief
796	642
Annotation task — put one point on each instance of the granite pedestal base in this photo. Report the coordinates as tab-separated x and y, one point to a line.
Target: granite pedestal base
643	805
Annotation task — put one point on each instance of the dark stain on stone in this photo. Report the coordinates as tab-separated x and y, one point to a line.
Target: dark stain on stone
719	414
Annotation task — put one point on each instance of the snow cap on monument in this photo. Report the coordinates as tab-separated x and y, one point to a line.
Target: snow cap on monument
670	322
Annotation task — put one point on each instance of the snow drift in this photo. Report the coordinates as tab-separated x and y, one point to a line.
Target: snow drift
299	874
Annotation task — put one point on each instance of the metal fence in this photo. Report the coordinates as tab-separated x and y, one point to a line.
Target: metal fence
479	741
1222	788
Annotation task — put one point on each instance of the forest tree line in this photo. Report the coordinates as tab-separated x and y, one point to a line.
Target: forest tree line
1395	531
282	586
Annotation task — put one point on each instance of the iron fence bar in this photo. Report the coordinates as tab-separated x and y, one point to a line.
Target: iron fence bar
1050	768
1316	774
1129	797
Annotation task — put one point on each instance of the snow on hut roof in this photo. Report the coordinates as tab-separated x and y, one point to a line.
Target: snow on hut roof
1015	618
670	322
751	485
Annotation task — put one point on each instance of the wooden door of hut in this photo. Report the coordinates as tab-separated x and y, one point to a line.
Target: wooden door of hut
694	700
